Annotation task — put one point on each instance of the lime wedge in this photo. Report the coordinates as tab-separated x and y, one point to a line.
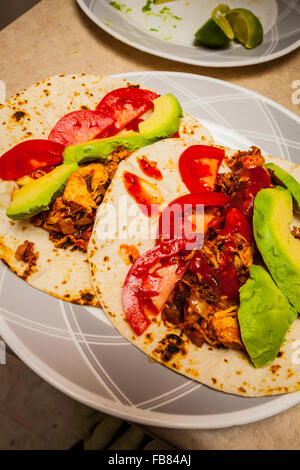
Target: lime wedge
217	31
219	16
211	35
246	26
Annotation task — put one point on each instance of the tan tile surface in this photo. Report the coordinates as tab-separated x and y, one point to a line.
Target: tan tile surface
33	414
56	37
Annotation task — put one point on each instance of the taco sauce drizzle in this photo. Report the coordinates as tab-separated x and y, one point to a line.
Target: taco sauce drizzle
231	228
139	189
149	168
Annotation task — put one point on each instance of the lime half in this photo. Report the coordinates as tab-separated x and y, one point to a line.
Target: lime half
217	31
246	26
211	35
219	16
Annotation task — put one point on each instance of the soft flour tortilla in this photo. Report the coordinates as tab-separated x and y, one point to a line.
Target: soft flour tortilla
31	114
223	369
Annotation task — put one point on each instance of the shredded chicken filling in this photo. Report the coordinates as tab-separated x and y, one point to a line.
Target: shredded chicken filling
196	306
71	216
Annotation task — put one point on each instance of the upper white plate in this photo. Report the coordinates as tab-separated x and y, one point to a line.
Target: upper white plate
77	350
171	34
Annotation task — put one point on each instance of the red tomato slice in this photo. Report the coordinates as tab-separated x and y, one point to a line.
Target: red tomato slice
151	280
225	278
80	126
199	166
29	156
153	276
235	223
253	179
182	217
134	125
125	105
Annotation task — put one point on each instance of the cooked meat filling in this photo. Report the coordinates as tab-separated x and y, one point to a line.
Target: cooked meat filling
197	305
296	232
204	303
26	253
71	217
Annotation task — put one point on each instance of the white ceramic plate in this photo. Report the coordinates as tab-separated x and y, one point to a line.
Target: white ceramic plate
77	350
171	34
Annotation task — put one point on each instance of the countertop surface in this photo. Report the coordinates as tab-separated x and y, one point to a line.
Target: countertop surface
56	37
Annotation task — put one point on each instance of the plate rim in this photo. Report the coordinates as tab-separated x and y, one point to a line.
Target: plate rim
279	404
200	63
147	418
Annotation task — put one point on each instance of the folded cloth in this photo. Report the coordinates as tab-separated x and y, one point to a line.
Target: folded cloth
98	431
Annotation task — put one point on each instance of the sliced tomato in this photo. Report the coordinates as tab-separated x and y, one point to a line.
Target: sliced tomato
153	276
80	126
200	265
134	125
151	280
199	166
125	105
36	174
224	278
228	280
236	223
29	156
252	180
185	217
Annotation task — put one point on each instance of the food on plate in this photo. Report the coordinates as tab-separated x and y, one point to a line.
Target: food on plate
147	6
282	177
217	31
61	142
264	316
247	27
162	1
272	221
164	122
210	294
228	24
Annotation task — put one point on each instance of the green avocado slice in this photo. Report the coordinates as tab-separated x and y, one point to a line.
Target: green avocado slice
163	123
286	180
264	315
100	149
38	195
272	219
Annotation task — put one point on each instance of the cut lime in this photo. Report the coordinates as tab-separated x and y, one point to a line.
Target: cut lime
246	26
217	31
211	35
219	16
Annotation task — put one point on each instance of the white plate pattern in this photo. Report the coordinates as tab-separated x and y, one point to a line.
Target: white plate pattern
78	351
171	36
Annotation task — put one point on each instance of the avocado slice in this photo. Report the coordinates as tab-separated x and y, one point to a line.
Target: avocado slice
264	315
100	149
286	180
164	121
38	195
272	219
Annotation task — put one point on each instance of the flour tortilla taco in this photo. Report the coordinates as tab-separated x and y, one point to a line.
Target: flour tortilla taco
225	311
61	141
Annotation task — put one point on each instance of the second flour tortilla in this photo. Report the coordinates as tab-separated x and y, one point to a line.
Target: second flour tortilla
223	369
